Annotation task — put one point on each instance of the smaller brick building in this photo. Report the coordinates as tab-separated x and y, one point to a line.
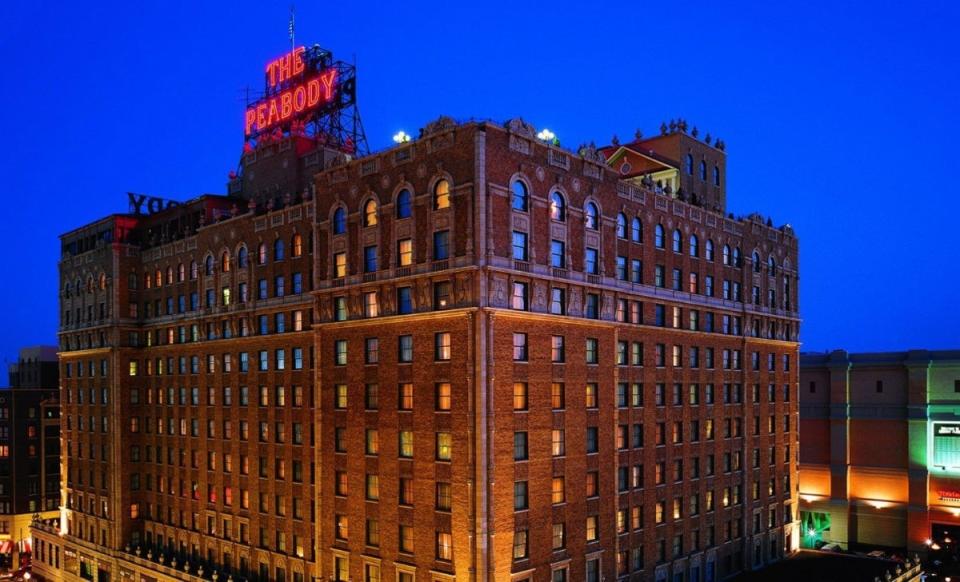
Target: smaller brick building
880	449
29	451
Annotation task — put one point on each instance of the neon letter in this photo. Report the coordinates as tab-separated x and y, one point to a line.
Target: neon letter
298	60
313	92
261	116
327	79
299	98
250	119
286	104
274	115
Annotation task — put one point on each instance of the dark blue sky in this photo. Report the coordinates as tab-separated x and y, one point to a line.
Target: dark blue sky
839	118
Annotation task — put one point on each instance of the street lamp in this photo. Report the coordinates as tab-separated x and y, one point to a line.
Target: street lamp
401	137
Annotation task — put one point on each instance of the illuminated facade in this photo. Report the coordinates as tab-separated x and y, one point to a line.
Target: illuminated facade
880	453
473	356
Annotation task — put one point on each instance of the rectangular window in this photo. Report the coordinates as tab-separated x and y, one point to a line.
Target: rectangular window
592	351
591	261
405	348
444	396
405	252
369	259
405	396
557	350
520	347
558	257
442	346
518	299
404	300
558	303
371	350
519	246
520	396
441	250
339	267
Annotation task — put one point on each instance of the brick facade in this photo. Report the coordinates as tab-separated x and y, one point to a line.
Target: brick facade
434	454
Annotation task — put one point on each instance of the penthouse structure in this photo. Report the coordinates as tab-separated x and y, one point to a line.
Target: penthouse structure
473	356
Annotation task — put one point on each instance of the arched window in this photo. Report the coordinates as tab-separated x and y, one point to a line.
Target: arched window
658	236
677	241
708	253
726	254
404	205
169	275
592	216
67	293
703	170
737	259
242	257
181	273
76	284
716	175
694	246
771	266
756	262
262	254
441	195
208	269
225	262
278	249
519	198
194	270
103	279
636	230
689	164
621	225
296	246
370	213
158	275
558	207
339	221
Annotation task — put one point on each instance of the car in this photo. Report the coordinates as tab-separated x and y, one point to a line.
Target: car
830	548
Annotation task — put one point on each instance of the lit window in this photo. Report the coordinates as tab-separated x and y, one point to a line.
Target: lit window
591	216
558	209
370	213
441	195
444	446
405	252
442	346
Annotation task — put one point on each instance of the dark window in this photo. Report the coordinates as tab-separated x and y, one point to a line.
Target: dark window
339	221
403	204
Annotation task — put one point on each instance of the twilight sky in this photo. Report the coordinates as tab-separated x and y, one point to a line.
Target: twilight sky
839	118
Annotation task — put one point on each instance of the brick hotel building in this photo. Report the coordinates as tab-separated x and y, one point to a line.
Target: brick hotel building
473	356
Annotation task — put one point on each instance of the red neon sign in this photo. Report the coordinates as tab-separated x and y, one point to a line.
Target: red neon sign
949	495
292	101
287	66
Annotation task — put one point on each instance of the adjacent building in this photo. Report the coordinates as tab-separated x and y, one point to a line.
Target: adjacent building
473	356
880	453
29	451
